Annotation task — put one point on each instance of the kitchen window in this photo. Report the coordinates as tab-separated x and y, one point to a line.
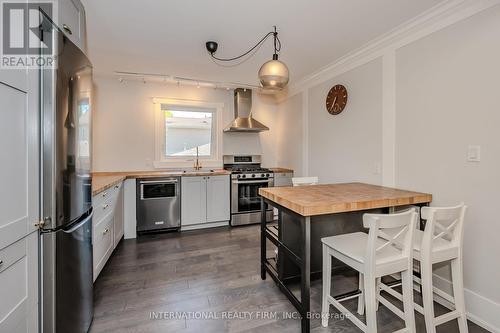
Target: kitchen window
185	128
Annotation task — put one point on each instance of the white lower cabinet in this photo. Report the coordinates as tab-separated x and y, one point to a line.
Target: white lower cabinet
193	200
218	198
119	222
103	243
283	179
204	200
19	286
107	225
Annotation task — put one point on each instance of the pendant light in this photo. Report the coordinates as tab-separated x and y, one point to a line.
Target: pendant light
273	74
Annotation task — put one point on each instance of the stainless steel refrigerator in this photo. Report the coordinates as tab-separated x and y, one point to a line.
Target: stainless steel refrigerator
66	238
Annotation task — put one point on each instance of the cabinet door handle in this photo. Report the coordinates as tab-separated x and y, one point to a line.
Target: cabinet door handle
67	29
116	186
105	206
1	262
105	231
104	194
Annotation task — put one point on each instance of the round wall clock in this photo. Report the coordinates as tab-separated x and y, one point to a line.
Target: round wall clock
336	100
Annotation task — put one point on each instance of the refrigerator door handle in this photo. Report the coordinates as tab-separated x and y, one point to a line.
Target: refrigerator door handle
78	225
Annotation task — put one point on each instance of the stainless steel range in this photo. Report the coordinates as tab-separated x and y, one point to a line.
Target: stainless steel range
247	176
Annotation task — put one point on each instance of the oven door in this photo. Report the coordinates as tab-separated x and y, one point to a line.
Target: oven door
245	194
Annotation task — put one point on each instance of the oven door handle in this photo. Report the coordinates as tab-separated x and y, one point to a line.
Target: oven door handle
251	181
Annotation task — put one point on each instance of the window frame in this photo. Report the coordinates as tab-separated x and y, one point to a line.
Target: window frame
161	160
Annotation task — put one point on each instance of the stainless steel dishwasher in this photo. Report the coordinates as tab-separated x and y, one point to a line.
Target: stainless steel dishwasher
158	204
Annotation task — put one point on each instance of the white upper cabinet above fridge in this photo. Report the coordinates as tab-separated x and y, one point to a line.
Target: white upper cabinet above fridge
71	20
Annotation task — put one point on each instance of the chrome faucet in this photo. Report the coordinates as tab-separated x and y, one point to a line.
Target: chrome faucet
197	164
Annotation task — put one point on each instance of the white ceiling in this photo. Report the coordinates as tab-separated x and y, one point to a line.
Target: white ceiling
168	36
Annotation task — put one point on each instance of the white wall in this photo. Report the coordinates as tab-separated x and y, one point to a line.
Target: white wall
418	98
347	147
289	134
447	99
442	74
123	123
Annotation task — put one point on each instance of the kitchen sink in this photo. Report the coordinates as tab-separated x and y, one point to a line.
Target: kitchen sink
202	171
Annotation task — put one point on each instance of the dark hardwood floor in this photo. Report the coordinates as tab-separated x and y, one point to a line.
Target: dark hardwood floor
194	281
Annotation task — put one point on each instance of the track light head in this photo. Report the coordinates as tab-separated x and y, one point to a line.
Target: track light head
211	46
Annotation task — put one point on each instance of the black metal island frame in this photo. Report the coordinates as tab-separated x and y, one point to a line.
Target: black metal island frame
308	213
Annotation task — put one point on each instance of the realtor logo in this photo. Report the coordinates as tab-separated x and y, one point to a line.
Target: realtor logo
24	43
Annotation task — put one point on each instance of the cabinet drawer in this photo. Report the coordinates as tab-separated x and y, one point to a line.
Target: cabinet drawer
106	195
103	208
102	197
105	201
102	242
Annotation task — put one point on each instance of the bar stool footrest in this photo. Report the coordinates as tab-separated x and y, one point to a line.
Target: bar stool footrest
347	313
446	317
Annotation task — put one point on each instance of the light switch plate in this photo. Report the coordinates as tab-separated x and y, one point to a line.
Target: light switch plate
474	153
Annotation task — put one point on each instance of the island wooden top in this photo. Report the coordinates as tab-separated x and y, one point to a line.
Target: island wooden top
339	198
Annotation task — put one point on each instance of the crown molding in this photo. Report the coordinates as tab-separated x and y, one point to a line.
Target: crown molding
430	21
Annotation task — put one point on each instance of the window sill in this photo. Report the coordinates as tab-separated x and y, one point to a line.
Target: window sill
186	164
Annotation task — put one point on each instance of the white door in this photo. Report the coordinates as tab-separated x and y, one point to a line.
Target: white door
19	286
19	200
218	198
193	200
19	193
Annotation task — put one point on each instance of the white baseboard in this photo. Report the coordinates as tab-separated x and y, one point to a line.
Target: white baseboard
204	225
480	310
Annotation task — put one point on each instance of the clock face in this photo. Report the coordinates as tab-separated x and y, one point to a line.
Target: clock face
336	100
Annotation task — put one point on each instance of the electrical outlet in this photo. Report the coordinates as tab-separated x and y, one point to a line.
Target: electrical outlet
377	168
473	153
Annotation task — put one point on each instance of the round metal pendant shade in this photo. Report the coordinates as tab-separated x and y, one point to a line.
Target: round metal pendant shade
274	75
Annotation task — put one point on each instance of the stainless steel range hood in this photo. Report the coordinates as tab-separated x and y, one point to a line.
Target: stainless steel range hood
243	121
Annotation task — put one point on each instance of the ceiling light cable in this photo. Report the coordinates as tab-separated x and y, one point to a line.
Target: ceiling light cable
247	52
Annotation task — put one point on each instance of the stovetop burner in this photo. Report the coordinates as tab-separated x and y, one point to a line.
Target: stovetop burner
247	170
246	167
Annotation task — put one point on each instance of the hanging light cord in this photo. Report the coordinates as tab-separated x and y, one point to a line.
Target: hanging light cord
277	46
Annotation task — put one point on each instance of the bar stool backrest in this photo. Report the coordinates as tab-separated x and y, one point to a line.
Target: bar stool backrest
304	181
446	223
402	226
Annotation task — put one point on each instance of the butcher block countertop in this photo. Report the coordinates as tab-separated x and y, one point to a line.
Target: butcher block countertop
339	198
281	170
101	181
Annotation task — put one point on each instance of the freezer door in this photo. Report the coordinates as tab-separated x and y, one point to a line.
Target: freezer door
74	282
67	278
66	127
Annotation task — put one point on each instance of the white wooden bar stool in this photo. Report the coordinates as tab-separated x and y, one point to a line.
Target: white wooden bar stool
373	257
304	181
441	241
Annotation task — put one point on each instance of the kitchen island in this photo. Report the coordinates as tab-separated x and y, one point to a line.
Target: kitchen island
308	213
